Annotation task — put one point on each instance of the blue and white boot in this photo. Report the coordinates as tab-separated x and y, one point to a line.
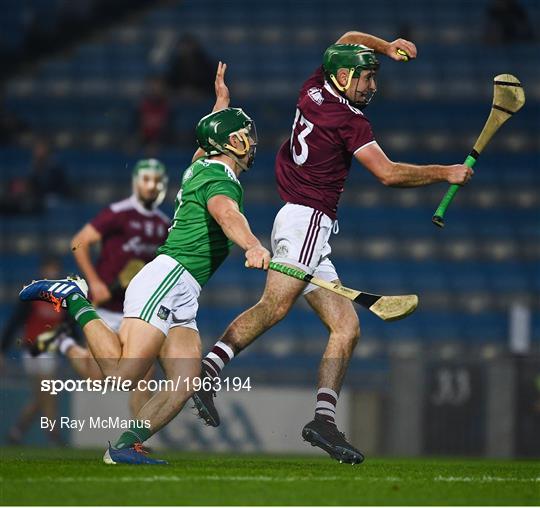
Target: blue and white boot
135	455
54	291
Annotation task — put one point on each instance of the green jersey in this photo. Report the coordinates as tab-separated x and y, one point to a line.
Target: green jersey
195	239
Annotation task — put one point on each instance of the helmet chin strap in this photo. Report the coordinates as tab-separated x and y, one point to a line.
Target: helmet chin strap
343	90
347	85
241	136
237	152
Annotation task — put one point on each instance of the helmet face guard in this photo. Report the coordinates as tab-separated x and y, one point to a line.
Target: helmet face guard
355	58
248	137
366	95
151	167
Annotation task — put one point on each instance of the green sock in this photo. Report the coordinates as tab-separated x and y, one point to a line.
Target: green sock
80	309
132	436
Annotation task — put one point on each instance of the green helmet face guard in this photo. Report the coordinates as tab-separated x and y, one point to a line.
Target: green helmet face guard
354	57
154	167
214	132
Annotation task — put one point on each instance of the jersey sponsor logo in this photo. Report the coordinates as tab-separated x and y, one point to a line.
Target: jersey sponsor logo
138	247
163	313
315	94
149	228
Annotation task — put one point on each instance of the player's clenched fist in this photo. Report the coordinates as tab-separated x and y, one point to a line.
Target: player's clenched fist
459	173
407	49
257	257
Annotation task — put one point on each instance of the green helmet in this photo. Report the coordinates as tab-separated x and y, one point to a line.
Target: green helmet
149	165
354	57
145	166
214	130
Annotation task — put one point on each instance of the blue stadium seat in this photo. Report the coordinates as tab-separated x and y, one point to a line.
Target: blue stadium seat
270	53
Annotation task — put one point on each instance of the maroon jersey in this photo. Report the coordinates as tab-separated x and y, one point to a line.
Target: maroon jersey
42	317
313	164
128	231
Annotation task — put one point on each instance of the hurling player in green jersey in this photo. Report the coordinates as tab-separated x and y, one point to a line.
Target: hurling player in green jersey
161	302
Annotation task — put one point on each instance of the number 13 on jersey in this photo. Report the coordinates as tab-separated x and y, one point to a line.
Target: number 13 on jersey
299	138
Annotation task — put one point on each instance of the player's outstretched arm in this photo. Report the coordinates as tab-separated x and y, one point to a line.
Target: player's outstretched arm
402	174
381	46
234	224
222	99
80	246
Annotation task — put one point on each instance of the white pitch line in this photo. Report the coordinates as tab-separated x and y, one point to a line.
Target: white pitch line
176	478
483	479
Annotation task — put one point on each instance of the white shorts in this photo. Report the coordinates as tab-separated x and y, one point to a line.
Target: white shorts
113	319
300	237
163	294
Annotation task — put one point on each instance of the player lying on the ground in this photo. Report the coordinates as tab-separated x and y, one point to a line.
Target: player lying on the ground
128	233
311	168
161	301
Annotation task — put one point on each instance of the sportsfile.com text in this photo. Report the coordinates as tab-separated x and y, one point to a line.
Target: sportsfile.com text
114	384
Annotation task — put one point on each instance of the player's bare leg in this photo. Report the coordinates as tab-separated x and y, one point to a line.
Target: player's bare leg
180	358
138	398
129	354
278	297
61	339
83	363
86	366
341	320
128	359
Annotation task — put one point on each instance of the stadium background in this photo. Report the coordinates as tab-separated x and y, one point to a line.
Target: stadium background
461	376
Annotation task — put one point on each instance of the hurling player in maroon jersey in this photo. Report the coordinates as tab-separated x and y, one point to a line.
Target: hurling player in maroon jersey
39	322
128	233
329	129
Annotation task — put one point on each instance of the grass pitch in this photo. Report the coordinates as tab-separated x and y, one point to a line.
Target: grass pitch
74	477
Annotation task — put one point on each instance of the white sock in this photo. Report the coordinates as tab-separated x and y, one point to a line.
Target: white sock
66	344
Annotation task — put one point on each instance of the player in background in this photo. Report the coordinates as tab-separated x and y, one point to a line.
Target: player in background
161	301
128	233
39	323
329	129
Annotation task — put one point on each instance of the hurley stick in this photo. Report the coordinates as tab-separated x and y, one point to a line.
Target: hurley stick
508	98
388	308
